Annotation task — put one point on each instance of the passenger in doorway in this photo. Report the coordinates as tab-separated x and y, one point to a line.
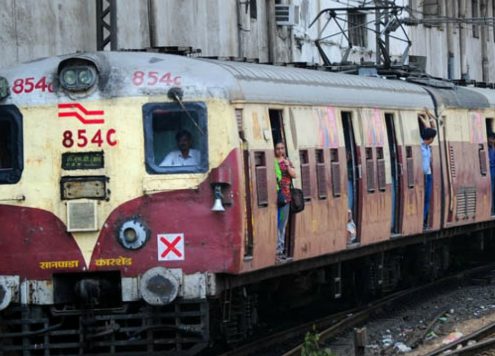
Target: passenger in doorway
185	155
285	172
428	132
491	156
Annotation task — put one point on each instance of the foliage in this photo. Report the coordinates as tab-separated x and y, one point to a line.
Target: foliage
311	346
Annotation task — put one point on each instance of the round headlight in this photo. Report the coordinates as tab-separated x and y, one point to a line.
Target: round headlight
130	234
86	76
133	234
69	77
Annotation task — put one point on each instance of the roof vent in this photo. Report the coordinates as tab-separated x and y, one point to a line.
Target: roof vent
81	216
286	15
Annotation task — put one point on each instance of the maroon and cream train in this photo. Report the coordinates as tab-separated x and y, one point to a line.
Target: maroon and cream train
103	248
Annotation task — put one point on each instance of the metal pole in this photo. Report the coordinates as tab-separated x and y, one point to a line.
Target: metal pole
106	24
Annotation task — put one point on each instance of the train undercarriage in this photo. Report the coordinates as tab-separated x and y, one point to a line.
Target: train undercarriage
245	306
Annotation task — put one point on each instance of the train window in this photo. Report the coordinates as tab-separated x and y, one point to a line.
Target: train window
370	169
261	178
482	158
321	177
409	167
335	171
11	141
176	138
305	174
380	169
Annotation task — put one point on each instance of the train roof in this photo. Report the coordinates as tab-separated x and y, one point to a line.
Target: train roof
488	95
235	81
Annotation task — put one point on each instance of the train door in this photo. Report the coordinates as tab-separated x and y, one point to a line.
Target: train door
396	182
491	153
248	237
278	134
352	170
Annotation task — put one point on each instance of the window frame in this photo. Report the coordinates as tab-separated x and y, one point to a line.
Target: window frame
12	175
149	153
357	30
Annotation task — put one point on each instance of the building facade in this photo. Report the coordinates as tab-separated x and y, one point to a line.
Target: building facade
450	38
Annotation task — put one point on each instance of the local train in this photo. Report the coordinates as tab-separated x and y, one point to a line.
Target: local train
103	248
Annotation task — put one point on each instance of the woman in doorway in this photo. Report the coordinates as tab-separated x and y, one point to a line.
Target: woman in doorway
285	171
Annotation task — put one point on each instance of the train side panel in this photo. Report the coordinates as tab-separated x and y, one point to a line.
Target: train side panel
467	170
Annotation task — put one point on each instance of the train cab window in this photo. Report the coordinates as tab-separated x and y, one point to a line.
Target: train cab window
175	138
11	153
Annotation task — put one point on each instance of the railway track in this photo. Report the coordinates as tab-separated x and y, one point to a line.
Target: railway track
475	343
332	325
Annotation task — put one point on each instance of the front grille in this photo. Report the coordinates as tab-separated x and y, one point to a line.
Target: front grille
135	328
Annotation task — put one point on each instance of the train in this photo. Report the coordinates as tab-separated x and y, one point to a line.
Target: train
104	248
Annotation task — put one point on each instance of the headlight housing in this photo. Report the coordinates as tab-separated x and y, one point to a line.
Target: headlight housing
78	78
133	234
4	88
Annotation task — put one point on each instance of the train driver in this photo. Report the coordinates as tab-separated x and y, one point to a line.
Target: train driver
428	132
185	155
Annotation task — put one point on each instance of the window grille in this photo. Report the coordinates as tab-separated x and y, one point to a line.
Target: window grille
261	178
357	28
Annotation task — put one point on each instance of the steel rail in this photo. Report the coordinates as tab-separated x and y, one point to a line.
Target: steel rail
471	349
364	314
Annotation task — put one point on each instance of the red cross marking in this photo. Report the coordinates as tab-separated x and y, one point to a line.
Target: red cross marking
171	246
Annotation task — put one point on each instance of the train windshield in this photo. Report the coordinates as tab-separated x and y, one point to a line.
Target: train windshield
176	138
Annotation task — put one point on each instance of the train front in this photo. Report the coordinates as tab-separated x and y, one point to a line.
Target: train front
119	203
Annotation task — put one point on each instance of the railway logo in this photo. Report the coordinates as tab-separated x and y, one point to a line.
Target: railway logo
170	247
78	111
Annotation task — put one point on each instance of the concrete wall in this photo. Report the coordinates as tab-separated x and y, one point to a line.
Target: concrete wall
30	29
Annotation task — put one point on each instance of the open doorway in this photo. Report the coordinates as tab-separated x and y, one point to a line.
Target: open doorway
491	160
352	175
395	227
285	220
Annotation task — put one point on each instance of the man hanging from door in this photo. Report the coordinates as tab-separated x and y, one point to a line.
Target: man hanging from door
428	132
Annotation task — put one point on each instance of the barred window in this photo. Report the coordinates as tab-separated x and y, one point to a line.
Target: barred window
357	28
431	8
475	12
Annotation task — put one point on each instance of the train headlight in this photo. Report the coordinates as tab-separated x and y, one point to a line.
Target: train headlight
130	235
78	78
78	74
4	88
133	234
86	76
158	286
69	77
